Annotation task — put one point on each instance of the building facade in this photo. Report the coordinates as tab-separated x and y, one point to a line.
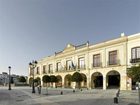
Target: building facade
4	78
103	65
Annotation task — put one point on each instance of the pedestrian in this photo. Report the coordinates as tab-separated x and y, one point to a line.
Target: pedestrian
38	88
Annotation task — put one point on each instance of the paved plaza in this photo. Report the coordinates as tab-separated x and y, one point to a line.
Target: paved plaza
24	96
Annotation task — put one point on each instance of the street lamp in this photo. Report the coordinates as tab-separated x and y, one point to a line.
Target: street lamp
32	66
9	78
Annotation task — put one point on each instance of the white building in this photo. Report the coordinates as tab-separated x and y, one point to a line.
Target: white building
103	65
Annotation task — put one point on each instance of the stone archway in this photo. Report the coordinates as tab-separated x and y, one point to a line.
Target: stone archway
67	81
113	79
59	81
84	82
97	80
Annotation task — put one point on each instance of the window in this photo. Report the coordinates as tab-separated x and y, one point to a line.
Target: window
50	68
37	70
113	57
68	65
58	68
135	53
96	60
44	69
81	63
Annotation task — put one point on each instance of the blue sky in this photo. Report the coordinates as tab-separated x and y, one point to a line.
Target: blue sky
32	29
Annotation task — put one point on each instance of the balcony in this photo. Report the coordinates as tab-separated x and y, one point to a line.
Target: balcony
135	60
64	69
97	65
50	72
81	67
59	70
113	63
44	72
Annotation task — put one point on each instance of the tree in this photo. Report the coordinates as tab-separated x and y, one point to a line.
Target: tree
37	81
77	77
59	81
134	73
46	79
53	79
12	80
22	79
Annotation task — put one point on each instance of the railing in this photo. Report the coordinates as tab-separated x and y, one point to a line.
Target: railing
96	65
70	69
114	63
81	67
64	69
136	60
44	72
50	72
37	73
59	70
81	46
56	53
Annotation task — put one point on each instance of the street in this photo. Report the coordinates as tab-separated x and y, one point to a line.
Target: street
24	96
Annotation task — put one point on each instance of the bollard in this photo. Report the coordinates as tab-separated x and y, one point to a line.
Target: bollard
81	89
61	93
115	100
73	91
118	92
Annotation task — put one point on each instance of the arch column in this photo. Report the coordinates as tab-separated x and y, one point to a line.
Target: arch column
92	82
104	83
41	81
89	82
63	82
123	82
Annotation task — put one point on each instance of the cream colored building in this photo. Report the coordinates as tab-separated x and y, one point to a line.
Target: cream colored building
102	65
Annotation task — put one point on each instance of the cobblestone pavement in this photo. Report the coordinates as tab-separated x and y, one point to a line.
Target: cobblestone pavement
23	96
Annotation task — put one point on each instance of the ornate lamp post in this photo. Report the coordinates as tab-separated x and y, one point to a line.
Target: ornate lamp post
9	78
32	66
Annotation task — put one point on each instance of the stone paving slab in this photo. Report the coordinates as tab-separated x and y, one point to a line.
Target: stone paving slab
24	96
128	97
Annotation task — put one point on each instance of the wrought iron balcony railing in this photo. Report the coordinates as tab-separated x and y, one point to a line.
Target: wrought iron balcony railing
81	67
113	63
135	60
96	65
